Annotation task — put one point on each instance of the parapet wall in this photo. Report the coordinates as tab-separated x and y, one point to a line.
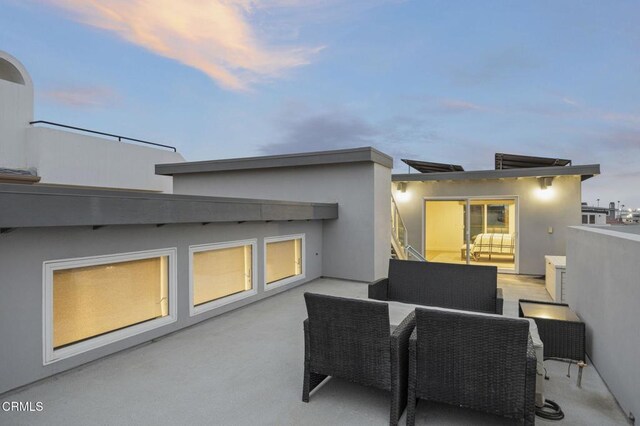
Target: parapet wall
603	287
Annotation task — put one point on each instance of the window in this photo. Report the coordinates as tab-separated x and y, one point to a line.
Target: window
284	260
221	273
584	219
91	302
592	219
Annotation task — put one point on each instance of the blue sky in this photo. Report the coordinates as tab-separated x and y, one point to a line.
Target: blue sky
441	81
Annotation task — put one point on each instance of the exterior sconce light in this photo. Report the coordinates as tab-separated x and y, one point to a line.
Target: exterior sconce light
402	194
545	182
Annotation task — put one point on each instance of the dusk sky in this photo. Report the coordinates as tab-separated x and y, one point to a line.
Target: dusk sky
442	81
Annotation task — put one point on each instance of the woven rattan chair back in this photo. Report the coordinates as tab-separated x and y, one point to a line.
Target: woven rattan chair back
349	338
472	361
464	287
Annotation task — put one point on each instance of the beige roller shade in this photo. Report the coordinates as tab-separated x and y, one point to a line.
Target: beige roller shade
221	272
284	260
94	300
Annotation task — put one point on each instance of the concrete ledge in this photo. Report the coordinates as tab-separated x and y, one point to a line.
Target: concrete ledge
39	206
355	155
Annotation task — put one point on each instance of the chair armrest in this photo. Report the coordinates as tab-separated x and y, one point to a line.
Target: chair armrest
379	289
499	301
400	362
403	331
307	352
530	385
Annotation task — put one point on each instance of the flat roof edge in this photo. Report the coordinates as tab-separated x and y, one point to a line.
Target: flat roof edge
56	207
342	156
586	171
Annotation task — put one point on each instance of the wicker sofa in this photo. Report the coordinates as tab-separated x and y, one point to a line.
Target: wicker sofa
353	339
477	361
465	287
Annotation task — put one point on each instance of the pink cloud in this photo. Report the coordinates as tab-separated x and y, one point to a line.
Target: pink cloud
81	96
213	36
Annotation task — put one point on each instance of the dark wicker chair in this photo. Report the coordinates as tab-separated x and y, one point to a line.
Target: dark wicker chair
464	287
471	360
352	339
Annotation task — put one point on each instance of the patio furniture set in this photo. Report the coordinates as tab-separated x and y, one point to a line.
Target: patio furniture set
429	331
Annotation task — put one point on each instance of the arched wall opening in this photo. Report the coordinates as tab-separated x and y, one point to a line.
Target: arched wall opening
9	72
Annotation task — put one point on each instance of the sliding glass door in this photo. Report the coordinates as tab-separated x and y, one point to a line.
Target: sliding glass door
492	231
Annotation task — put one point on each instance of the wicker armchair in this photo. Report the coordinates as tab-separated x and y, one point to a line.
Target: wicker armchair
471	360
352	339
464	287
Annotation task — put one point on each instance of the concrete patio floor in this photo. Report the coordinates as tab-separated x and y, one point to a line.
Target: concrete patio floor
245	368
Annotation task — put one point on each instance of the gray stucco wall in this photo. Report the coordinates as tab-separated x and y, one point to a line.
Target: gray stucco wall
536	215
603	270
356	245
23	251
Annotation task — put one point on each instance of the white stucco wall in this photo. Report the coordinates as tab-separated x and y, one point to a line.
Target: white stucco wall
603	287
67	158
357	244
562	208
24	250
16	111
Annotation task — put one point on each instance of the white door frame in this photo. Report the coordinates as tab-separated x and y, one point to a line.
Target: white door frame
467	199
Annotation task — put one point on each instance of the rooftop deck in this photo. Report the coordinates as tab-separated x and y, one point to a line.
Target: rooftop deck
245	368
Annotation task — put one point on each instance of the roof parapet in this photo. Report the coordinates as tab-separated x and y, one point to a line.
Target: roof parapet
343	156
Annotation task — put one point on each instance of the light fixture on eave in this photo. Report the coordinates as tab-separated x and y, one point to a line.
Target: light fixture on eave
545	182
402	187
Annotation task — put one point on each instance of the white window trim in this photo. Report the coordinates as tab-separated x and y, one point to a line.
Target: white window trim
205	307
289	280
51	355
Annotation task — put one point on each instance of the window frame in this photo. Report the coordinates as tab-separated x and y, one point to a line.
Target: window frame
217	303
51	355
276	284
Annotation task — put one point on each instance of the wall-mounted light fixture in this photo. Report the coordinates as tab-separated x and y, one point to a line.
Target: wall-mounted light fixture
402	194
545	182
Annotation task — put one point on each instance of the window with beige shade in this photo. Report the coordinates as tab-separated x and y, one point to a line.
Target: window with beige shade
221	273
90	302
284	261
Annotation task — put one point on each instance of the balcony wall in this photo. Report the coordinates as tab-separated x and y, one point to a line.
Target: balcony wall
603	267
67	158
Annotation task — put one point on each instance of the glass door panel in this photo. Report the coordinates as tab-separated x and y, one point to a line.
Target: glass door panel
495	244
445	231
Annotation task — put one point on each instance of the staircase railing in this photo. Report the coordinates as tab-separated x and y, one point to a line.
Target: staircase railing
415	254
399	234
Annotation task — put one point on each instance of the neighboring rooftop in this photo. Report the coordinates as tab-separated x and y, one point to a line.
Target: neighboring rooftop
514	161
593	209
18	176
35	205
428	167
353	155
